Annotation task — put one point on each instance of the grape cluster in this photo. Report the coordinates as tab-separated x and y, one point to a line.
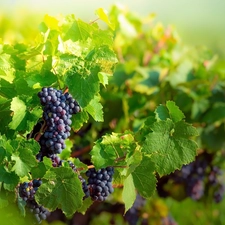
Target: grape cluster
132	216
100	183
40	213
213	180
199	179
57	112
27	192
193	176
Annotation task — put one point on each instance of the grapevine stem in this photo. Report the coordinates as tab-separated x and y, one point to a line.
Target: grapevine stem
120	158
117	185
39	134
37	137
81	152
120	166
91	166
66	90
94	21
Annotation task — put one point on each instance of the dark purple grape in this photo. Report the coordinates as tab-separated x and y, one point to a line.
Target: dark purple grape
57	111
99	183
27	192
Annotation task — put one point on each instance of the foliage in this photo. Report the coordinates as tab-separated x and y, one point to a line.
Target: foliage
140	90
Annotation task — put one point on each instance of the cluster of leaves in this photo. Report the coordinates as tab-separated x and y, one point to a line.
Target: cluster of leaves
141	130
69	53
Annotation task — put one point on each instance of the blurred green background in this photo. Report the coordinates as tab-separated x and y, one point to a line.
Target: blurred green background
200	22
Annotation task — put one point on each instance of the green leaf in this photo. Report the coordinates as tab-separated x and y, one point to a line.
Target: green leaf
112	149
25	157
79	31
103	78
22	87
144	177
65	154
83	89
51	22
52	42
45	78
61	188
80	165
162	112
7	89
170	145
9	179
175	113
104	17
23	162
5	119
79	119
6	69
129	193
38	171
94	108
86	204
104	57
19	109
171	111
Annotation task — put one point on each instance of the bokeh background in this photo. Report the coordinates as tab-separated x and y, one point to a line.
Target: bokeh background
200	22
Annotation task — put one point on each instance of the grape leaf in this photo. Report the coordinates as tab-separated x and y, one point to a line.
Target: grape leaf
61	188
6	67
24	156
52	42
65	154
86	204
170	146
103	56
83	89
80	165
94	108
79	119
103	78
104	17
162	113
51	22
175	113
5	119
24	161
129	193
9	179
79	31
7	89
111	149
18	107
144	177
22	87
171	111
45	78
41	168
